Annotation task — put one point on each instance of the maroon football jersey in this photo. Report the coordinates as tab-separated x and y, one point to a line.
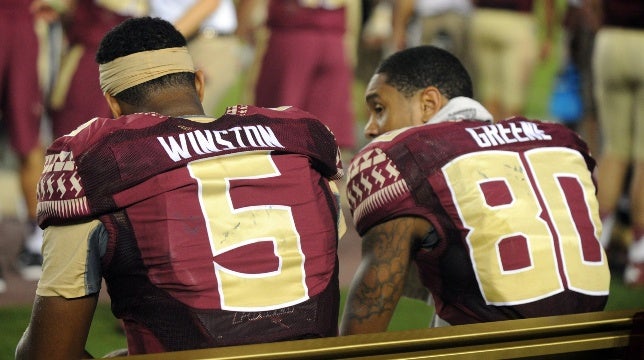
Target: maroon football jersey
514	208
220	233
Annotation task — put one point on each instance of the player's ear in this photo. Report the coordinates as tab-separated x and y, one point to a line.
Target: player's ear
114	105
432	100
200	83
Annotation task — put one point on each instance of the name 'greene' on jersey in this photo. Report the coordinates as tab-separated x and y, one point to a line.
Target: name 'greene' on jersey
512	203
507	133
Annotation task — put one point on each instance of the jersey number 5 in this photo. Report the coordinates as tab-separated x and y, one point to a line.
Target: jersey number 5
231	227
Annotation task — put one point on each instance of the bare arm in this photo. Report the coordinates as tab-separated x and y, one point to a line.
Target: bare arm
549	25
250	16
595	13
58	328
401	13
379	281
190	21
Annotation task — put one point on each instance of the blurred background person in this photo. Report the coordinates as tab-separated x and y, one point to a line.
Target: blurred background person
306	63
580	22
374	39
21	114
442	23
209	26
618	66
505	50
76	95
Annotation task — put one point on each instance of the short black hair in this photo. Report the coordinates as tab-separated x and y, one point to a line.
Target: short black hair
137	35
418	67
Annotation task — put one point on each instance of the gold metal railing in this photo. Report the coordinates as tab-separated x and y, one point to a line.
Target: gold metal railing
608	334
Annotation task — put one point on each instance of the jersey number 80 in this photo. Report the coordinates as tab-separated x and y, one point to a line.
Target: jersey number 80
532	223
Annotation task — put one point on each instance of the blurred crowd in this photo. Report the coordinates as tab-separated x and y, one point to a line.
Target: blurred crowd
312	54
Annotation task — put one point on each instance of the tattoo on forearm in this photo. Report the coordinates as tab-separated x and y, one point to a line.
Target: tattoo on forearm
388	247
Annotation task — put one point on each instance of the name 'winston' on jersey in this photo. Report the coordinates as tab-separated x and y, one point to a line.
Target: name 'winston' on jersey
513	204
226	230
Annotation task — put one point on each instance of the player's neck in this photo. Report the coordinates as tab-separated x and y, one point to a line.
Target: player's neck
175	106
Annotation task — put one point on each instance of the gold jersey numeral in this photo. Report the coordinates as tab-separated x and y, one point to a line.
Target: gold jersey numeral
231	227
538	213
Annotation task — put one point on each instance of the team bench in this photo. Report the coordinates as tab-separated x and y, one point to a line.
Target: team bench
597	335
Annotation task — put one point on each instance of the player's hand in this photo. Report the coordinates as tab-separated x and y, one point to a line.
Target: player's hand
48	11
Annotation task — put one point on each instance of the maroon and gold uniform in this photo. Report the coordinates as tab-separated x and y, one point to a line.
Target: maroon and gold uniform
513	206
211	233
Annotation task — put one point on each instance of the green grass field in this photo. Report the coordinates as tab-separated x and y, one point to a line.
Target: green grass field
105	336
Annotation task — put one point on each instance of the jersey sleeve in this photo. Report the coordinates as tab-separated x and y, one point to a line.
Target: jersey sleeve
72	260
311	137
61	189
377	190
